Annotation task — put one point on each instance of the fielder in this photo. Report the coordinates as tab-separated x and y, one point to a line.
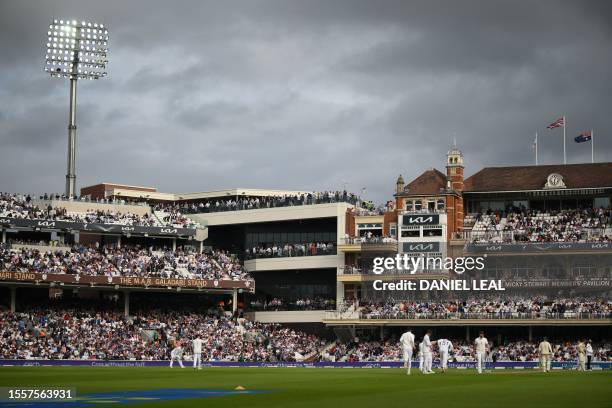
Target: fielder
177	354
545	350
581	356
589	355
407	343
427	353
421	358
482	348
197	352
445	346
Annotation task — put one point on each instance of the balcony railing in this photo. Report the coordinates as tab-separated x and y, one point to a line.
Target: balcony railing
290	253
214	206
517	236
472	316
365	240
424	211
353	270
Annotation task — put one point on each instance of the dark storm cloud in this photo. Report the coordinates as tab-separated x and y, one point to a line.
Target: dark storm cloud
304	95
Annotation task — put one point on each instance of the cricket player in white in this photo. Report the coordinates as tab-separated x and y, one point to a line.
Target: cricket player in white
445	347
545	350
482	347
177	354
197	352
581	347
427	353
421	357
407	342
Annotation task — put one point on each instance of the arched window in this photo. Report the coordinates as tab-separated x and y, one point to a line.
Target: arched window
440	204
418	205
409	205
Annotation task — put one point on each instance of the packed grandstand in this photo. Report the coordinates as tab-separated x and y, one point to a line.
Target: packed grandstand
251	203
125	261
522	225
55	332
23	206
506	307
273	276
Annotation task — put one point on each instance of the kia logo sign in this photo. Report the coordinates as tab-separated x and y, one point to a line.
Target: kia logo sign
422	247
169	231
46	224
427	219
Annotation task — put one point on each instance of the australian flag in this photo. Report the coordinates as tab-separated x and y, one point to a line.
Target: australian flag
584	137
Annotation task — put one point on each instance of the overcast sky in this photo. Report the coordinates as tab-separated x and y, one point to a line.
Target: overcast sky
309	95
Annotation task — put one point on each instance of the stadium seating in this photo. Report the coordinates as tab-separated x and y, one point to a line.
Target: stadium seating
75	333
25	207
481	308
249	203
521	225
289	250
125	261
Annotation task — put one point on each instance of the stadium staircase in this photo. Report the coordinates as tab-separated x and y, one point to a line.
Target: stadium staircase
314	356
159	216
214	261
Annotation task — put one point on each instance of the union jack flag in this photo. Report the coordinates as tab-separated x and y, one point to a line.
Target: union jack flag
557	123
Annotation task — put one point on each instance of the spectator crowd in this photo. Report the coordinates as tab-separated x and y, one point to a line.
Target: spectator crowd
278	304
255	202
523	225
23	207
134	261
495	308
290	250
79	332
75	333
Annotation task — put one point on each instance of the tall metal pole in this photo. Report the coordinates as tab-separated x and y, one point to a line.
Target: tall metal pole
564	155
536	148
592	146
71	173
71	168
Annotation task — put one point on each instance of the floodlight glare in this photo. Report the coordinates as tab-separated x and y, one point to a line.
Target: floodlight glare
69	50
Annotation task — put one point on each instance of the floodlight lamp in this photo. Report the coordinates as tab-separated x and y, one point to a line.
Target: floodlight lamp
69	37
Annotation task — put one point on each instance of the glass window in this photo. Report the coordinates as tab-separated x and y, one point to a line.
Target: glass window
440	204
411	233
432	232
601	202
418	205
409	205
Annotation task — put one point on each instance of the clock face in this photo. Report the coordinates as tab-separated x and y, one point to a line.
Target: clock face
554	180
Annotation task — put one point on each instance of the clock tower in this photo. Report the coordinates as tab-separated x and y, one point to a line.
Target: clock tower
454	169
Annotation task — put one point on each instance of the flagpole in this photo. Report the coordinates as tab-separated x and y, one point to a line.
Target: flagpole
564	155
592	146
536	147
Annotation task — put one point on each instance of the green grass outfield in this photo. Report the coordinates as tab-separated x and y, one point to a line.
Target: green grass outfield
337	387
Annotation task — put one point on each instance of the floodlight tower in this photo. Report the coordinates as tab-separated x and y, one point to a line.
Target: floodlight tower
75	50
